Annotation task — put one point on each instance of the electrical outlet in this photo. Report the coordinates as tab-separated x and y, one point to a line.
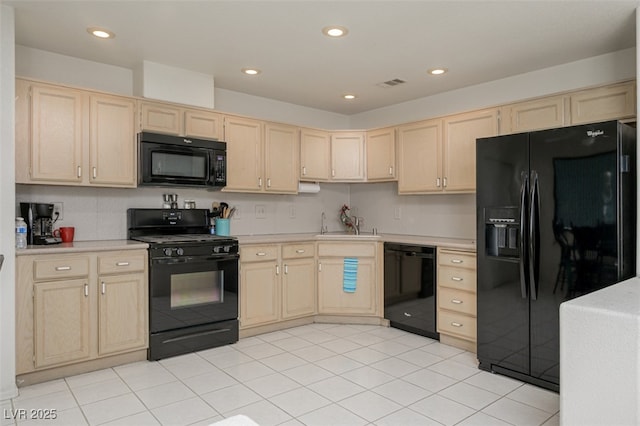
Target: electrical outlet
57	211
261	211
397	213
292	211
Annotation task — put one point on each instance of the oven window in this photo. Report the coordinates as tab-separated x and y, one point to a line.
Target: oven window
196	288
178	165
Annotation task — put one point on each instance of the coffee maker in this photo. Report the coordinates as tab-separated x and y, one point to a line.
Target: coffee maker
39	218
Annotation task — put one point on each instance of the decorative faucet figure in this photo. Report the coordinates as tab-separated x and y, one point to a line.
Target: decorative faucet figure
348	220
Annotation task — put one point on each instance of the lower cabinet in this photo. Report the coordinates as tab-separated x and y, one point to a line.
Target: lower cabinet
332	297
456	294
79	307
277	282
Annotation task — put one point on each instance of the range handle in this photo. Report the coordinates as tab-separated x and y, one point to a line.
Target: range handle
524	191
534	217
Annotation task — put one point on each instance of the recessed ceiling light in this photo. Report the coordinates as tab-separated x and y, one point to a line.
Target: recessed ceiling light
335	31
100	32
251	71
437	71
349	96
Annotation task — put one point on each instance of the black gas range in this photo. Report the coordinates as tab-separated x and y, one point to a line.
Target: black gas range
193	280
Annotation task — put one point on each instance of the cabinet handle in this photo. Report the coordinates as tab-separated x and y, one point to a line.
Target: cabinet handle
122	264
456	301
300	251
261	253
333	172
458	261
259	182
390	171
95	173
104	287
456	324
79	171
268	182
277	269
319	267
444	182
86	290
286	269
456	279
438	182
304	171
63	268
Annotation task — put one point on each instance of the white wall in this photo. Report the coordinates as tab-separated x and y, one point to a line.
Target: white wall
7	218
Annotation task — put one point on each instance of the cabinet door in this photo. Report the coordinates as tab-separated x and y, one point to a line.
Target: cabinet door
347	156
281	158
604	103
244	154
315	155
203	124
381	154
298	288
259	293
56	135
459	156
332	299
546	113
112	141
160	118
419	157
62	325
122	319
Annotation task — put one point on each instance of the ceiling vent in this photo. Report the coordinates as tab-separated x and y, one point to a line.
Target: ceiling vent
391	83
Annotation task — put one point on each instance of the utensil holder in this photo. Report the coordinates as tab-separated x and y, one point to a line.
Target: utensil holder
222	227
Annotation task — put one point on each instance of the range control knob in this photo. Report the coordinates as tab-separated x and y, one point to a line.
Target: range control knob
227	249
168	252
216	249
180	251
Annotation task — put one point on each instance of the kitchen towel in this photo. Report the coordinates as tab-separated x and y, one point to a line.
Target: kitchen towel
350	274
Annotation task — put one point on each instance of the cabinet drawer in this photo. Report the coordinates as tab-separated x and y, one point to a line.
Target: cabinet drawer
121	263
61	267
258	253
298	251
347	249
457	259
457	324
459	278
456	300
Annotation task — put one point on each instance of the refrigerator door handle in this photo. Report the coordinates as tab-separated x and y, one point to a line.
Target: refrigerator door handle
524	190
534	214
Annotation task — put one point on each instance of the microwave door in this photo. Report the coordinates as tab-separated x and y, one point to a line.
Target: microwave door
176	166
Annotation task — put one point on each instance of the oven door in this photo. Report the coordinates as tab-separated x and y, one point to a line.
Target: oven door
190	291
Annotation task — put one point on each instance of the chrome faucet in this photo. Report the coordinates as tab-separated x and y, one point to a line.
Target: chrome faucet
323	226
356	225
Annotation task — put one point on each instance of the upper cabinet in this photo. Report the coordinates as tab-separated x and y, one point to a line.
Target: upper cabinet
419	157
459	147
261	157
174	120
381	155
604	103
73	137
545	113
315	155
347	156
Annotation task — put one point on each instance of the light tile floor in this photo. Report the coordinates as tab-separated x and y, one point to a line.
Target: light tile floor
318	374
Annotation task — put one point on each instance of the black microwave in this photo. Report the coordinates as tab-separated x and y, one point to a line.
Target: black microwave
166	160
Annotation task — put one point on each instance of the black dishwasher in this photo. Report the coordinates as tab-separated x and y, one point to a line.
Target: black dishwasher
410	288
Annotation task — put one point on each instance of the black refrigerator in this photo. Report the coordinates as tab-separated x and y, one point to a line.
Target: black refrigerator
556	219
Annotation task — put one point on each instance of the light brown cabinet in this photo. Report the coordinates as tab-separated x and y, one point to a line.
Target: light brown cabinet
347	156
613	102
261	157
72	308
456	295
419	157
381	155
74	137
175	120
367	298
315	155
277	282
544	113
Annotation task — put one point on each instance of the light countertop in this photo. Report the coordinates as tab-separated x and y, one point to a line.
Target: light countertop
82	247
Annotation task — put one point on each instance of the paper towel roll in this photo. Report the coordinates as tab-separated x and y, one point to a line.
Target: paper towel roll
306	187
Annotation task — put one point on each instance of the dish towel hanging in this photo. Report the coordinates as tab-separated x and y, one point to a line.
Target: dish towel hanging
350	275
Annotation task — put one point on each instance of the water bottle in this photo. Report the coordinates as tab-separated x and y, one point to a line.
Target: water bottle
21	233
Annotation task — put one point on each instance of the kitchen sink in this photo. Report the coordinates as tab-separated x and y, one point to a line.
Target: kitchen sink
348	236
